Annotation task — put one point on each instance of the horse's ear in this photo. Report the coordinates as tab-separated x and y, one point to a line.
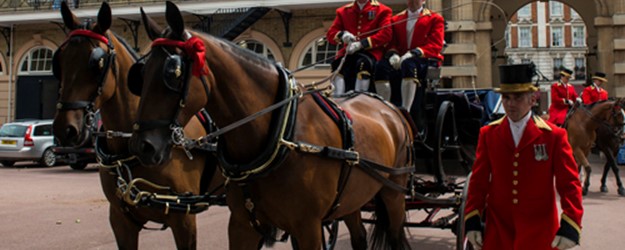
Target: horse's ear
174	19
104	19
151	27
69	19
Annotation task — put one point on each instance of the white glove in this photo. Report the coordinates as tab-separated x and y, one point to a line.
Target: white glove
395	61
561	242
568	102
579	100
353	47
475	237
408	55
348	37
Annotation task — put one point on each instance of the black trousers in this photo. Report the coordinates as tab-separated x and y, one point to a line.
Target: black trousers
361	63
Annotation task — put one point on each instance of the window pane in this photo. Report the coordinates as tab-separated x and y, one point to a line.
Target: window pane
525	37
556	37
579	36
580	68
556	8
525	11
257	47
557	67
319	52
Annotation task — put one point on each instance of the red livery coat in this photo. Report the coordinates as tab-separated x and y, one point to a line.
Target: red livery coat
428	34
374	15
559	95
514	191
592	95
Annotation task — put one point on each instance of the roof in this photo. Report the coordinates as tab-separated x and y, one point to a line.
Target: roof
191	7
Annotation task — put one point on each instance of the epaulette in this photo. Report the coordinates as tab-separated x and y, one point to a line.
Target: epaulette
541	124
426	12
497	122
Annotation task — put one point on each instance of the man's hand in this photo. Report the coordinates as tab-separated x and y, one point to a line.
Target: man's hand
353	47
395	61
560	242
348	37
475	237
408	55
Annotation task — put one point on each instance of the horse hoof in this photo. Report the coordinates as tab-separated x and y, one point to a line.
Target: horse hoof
621	191
604	189
584	191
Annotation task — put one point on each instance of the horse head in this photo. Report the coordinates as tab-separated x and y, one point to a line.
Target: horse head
173	86
82	64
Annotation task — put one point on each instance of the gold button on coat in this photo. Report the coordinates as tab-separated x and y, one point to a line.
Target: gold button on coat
515	182
514	191
516	164
515	201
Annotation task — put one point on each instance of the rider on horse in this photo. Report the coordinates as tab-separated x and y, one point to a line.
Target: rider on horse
562	98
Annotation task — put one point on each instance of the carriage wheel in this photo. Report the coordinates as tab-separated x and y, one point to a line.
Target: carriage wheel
461	242
445	134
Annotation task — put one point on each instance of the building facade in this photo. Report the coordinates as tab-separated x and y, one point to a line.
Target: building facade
292	33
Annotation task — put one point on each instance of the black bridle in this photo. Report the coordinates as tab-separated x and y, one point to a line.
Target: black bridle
177	71
103	61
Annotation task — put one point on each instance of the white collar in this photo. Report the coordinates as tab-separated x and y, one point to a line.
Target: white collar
416	13
362	5
522	122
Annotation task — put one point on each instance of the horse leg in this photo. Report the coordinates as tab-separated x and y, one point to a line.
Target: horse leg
588	170
615	170
125	229
388	231
606	170
241	235
357	231
184	229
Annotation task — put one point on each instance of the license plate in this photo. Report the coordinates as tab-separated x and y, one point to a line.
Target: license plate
9	142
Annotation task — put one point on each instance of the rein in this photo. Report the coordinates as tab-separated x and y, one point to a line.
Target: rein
617	128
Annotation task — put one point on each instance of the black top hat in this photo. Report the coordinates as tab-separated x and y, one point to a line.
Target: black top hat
516	78
566	72
600	76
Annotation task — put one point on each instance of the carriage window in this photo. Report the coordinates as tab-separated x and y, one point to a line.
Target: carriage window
257	47
321	52
38	60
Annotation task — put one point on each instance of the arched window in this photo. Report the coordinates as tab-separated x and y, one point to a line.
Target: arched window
319	52
39	60
257	47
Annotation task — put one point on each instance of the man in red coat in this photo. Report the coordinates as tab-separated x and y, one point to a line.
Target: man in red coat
563	97
520	159
594	92
418	38
363	28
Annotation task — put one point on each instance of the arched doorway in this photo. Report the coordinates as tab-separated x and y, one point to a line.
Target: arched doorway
36	89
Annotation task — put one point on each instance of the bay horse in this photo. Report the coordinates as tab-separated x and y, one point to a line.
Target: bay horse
600	123
286	163
92	65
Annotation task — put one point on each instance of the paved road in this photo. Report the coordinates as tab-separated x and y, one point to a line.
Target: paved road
60	208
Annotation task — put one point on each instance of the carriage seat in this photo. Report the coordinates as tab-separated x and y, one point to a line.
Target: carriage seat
464	109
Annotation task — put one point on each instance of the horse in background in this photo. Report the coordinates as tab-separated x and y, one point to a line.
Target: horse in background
92	66
600	123
288	165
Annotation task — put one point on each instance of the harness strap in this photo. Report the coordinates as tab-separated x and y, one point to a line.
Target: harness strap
63	106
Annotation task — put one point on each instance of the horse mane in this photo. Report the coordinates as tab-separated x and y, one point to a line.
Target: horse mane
131	51
243	55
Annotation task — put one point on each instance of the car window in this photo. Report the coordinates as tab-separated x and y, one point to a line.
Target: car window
13	130
43	130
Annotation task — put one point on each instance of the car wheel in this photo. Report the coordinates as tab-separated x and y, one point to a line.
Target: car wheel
7	163
78	165
48	159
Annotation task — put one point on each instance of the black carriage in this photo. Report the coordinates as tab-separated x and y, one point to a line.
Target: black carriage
444	157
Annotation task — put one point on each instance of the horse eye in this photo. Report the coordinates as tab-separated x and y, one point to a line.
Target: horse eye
172	72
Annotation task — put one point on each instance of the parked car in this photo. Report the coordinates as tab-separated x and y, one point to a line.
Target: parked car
78	157
27	140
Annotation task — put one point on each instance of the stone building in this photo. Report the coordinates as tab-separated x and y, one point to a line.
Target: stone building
291	32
